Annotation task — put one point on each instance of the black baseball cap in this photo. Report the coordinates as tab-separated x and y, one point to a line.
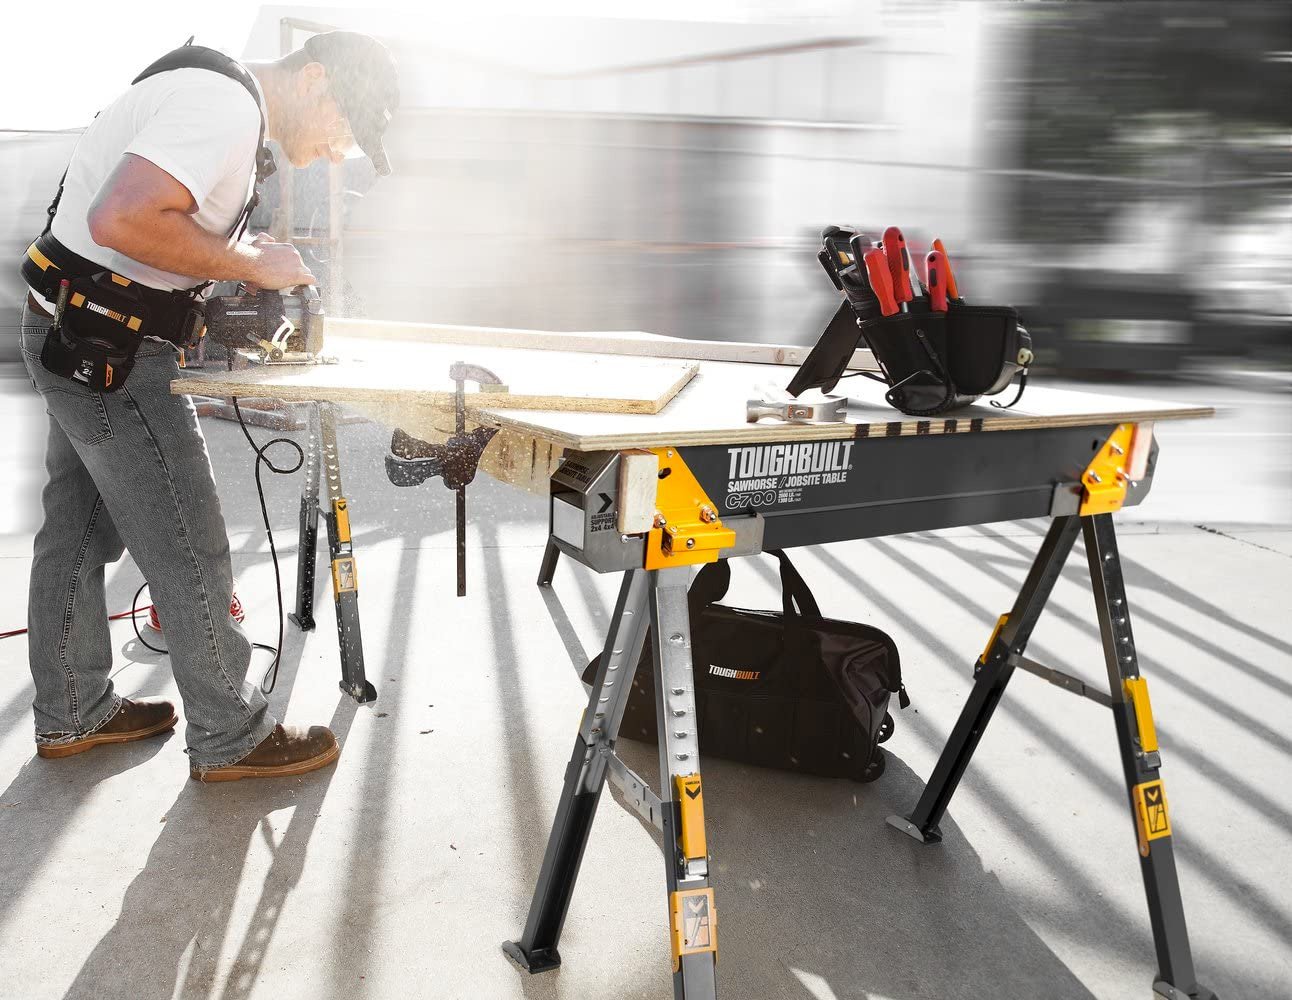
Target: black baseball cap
362	74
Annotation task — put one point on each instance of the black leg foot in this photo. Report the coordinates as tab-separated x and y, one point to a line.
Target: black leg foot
932	835
361	693
304	624
1166	991
540	960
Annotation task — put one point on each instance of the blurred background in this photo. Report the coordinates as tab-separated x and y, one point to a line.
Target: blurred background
1120	172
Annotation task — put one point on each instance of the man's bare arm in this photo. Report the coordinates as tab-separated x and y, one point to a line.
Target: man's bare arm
145	213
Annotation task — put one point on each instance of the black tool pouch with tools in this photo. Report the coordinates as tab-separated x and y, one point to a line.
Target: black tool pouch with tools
101	318
934	361
786	689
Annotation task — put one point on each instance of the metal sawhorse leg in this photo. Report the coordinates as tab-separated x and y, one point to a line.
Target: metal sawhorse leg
1132	716
322	462
547	570
678	813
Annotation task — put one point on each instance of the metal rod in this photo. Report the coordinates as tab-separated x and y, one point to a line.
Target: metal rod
461	528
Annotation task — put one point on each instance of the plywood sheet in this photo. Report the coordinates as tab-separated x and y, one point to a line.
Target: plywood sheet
711	410
621	342
417	374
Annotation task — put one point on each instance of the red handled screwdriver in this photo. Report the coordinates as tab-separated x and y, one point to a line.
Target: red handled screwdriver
899	265
881	282
936	261
950	282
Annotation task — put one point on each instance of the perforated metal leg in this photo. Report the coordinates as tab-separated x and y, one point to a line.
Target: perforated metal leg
308	536
692	918
1136	739
536	949
345	579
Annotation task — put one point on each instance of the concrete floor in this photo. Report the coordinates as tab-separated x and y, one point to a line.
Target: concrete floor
399	872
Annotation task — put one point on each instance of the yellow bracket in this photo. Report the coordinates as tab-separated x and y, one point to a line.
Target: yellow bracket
687	528
344	577
1136	689
1105	480
694	924
995	634
690	800
1151	819
341	517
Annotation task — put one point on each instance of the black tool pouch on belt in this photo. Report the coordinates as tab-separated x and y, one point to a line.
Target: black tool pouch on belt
934	362
100	331
786	689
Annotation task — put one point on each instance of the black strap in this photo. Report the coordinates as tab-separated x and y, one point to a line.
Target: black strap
711	583
190	56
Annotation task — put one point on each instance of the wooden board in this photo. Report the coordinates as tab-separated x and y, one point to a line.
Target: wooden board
711	410
417	374
630	343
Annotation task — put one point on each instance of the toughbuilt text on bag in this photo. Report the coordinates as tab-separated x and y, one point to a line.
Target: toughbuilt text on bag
787	689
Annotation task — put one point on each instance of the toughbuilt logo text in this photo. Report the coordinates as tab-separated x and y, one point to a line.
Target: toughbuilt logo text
735	675
763	469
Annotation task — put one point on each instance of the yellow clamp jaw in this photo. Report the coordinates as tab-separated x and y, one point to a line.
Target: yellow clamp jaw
687	528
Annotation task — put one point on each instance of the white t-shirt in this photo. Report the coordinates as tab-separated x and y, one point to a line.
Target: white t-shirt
197	125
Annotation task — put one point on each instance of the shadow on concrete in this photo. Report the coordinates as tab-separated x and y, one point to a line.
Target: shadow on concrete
1224	879
1253	793
921	921
55	790
177	914
359	897
565	629
1139	575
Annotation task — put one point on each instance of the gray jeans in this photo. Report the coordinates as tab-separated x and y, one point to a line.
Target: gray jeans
129	469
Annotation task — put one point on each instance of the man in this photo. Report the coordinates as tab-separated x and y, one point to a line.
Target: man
153	190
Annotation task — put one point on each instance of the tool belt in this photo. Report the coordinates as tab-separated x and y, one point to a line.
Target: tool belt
101	317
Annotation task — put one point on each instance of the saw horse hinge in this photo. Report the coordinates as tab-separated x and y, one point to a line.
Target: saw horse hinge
687	529
412	461
1105	480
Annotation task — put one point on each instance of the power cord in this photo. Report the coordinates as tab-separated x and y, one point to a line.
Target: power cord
271	675
135	611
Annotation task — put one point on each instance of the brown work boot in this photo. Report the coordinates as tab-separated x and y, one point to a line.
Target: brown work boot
287	750
135	719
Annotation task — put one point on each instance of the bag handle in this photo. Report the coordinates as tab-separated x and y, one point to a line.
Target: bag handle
794	589
711	583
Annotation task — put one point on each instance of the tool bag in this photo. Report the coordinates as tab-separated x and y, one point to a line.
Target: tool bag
786	689
933	362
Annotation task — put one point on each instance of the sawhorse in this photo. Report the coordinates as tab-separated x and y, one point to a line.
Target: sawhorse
1020	474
